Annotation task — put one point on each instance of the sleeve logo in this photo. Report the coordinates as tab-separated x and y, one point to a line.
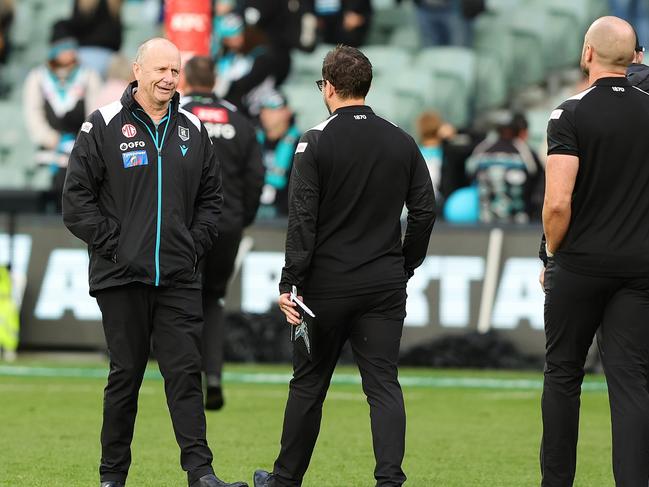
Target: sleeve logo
301	147
556	114
86	127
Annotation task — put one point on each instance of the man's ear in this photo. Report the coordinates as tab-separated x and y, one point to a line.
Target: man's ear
137	69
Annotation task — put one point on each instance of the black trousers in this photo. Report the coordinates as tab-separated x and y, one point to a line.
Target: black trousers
373	323
576	308
217	267
133	316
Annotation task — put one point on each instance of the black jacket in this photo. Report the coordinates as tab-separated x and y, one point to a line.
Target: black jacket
146	200
351	176
235	143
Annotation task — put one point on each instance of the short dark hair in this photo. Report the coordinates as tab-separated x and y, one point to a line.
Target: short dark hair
199	71
349	71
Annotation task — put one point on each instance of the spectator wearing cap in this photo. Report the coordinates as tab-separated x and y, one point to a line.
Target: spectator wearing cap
508	174
637	72
57	98
278	136
221	9
96	24
247	65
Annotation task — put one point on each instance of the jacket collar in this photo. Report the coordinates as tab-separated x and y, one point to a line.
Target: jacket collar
129	102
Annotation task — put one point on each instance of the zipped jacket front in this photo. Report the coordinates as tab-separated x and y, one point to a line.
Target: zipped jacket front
146	198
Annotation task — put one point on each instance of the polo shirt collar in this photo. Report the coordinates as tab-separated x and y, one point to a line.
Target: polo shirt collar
354	109
612	81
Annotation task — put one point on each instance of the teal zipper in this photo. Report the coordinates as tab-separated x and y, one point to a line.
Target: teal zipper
158	146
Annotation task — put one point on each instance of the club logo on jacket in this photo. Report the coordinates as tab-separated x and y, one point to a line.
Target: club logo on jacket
129	130
183	133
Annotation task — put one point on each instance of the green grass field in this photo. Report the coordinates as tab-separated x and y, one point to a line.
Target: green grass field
465	428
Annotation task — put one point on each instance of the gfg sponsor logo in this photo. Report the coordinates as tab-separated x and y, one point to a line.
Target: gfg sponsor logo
136	144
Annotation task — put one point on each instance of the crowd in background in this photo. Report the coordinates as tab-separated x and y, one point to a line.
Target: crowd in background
489	176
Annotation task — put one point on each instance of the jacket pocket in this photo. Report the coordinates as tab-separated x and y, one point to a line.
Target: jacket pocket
179	261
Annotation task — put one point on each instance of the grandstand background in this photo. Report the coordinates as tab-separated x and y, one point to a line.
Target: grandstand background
523	53
524	56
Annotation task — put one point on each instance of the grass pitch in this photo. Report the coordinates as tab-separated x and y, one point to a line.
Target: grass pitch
465	428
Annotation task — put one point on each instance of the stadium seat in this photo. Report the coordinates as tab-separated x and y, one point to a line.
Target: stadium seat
503	5
386	20
529	31
308	65
16	150
387	59
491	83
307	103
406	37
537	120
491	38
569	21
400	108
454	70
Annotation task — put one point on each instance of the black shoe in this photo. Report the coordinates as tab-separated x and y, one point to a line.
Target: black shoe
211	480
112	483
261	478
214	398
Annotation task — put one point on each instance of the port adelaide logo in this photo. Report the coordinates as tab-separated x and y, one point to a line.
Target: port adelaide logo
183	133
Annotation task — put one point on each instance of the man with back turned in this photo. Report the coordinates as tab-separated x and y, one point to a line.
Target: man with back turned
596	279
344	253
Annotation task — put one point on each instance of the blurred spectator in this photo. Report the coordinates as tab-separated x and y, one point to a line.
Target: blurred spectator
7	9
248	66
278	136
343	21
432	132
58	96
97	26
442	23
221	9
638	73
118	76
508	174
636	12
289	24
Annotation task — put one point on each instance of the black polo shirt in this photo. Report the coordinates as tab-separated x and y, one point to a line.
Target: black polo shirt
606	128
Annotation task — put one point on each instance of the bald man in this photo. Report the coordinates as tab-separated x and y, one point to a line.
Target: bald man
143	190
596	255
